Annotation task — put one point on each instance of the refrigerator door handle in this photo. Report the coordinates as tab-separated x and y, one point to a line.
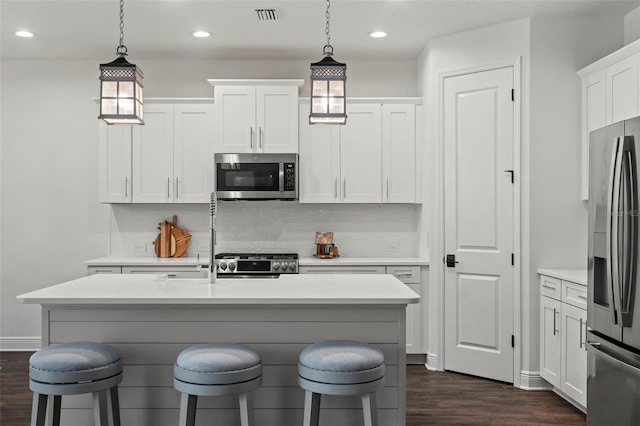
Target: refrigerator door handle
630	227
613	206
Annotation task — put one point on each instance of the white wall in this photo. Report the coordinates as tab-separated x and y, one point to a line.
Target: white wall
51	220
632	26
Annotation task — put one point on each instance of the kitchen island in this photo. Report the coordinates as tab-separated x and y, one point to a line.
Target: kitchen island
150	319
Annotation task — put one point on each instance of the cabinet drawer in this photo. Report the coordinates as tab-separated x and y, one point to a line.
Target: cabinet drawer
103	270
171	271
342	270
574	294
406	274
550	287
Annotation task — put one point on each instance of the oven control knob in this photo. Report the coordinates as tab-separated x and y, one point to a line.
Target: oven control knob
232	266
223	266
276	265
285	266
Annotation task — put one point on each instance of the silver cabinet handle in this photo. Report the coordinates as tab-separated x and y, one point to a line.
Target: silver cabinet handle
344	188
336	189
168	187
409	275
554	322
251	138
260	137
177	183
582	297
387	189
126	187
581	342
549	287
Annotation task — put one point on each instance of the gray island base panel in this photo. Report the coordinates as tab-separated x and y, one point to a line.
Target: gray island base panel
151	319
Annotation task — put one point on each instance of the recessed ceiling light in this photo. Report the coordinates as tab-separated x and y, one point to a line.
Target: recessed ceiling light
200	34
25	34
378	34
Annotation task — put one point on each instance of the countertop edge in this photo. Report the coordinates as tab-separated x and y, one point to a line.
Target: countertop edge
578	276
303	261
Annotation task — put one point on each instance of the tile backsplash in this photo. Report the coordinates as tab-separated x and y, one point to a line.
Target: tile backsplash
360	230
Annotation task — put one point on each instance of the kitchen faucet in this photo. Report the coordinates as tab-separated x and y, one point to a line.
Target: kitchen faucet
213	207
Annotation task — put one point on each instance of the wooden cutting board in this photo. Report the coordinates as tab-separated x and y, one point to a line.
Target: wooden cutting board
172	241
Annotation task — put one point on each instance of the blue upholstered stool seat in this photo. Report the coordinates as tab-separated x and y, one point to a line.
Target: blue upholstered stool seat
75	368
340	367
216	369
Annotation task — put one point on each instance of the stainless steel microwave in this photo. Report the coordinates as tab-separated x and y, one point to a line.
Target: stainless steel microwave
256	176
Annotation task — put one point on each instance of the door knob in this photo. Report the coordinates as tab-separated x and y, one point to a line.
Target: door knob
450	260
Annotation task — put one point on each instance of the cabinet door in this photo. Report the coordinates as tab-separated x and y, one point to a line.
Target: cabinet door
623	89
193	162
399	153
153	156
276	119
319	171
550	340
114	164
361	154
414	321
594	116
574	353
234	119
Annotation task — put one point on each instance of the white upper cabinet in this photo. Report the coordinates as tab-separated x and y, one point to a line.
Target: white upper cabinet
114	165
610	93
399	153
256	117
169	159
361	154
371	159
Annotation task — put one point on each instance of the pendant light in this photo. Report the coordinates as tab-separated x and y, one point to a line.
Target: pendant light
328	79
121	87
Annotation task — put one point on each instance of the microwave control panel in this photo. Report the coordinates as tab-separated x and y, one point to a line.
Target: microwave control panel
289	176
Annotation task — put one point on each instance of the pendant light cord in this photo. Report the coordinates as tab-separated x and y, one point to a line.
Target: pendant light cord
328	49
122	49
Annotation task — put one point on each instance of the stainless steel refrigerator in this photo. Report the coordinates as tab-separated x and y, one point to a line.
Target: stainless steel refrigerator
613	338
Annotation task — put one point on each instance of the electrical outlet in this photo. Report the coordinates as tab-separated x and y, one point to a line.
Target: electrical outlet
140	247
203	247
391	246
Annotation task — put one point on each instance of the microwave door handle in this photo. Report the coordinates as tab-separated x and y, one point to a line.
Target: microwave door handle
611	186
615	260
630	230
281	177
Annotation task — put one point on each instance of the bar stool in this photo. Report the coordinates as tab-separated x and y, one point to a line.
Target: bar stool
216	369
75	368
340	367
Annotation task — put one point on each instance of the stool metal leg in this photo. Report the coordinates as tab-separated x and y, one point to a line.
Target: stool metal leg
100	409
311	408
188	405
115	405
57	403
38	409
246	409
370	409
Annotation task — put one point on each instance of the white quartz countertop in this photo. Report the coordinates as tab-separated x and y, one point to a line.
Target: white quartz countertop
309	289
303	261
578	276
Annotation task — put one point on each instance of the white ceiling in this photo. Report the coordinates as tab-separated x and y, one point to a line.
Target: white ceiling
161	29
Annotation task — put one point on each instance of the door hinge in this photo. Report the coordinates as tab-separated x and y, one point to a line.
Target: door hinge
513	341
513	259
513	95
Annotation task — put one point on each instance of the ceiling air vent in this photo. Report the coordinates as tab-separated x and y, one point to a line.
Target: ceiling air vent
267	14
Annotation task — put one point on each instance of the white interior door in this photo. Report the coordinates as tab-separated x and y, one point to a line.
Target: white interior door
478	151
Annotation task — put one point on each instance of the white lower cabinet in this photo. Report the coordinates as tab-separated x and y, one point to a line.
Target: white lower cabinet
172	271
563	323
410	275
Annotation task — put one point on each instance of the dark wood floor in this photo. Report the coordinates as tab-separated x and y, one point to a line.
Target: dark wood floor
433	398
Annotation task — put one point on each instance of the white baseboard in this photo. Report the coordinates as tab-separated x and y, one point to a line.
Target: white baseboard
432	362
531	380
20	344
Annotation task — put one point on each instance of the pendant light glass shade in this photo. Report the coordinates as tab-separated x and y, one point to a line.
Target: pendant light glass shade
328	94
121	86
121	92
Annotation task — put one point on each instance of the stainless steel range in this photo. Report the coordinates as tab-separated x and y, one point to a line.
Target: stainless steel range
255	265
